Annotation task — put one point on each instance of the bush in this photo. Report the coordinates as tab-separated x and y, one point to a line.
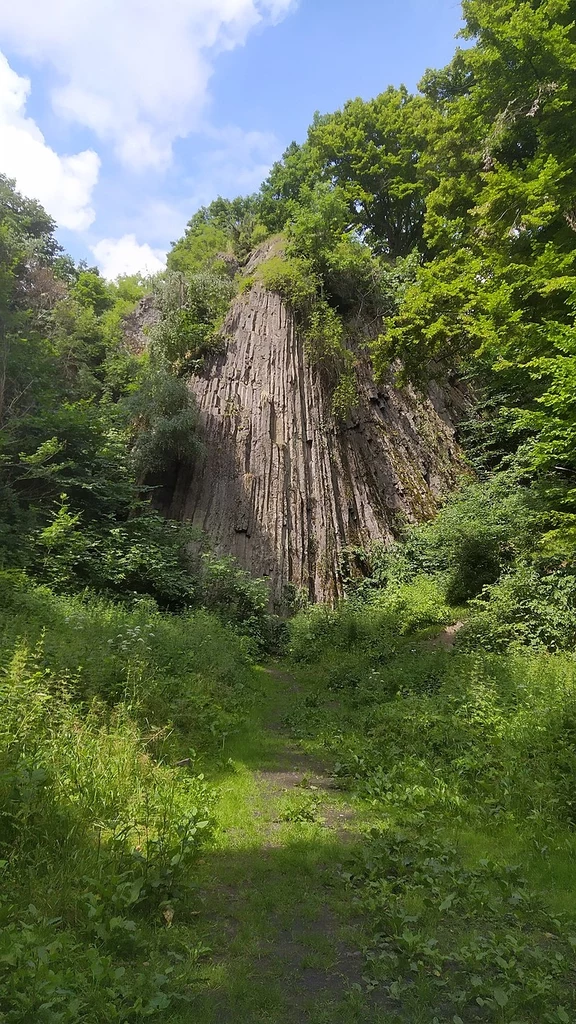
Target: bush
479	532
524	608
324	335
163	418
374	631
293	279
193	309
237	598
146	555
326	348
69	779
415	605
189	669
99	826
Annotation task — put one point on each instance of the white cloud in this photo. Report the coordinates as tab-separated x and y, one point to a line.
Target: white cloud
125	255
236	165
240	159
136	72
63	184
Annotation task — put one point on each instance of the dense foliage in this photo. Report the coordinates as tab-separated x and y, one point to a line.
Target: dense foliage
113	674
466	762
434	232
440	227
103	804
85	419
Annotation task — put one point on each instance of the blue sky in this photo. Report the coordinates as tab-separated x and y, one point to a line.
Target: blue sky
123	116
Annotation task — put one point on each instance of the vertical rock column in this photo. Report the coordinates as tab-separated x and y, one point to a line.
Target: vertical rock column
280	485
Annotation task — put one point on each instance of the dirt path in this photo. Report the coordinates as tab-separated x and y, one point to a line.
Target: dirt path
446	638
281	943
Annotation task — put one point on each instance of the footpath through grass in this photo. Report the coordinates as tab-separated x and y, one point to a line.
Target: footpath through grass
467	763
280	939
334	895
381	831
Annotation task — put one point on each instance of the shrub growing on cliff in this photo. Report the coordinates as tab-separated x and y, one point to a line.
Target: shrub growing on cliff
293	279
192	308
163	419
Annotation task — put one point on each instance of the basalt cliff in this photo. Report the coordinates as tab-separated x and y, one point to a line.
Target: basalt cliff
284	487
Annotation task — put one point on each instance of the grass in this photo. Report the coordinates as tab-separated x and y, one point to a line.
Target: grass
275	913
549	867
388	913
465	882
383	834
140	883
103	807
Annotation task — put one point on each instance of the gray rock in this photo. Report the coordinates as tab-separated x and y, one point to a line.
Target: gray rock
282	486
139	322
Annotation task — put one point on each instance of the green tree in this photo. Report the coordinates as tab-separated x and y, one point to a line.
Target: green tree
496	297
91	291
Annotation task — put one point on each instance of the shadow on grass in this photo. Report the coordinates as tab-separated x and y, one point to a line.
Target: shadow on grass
281	943
271	911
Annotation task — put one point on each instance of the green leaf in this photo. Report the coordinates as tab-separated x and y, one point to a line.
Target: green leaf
448	901
500	997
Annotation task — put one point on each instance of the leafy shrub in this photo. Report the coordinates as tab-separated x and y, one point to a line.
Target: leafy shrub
416	604
147	555
98	835
477	534
246	283
326	348
320	629
292	278
345	394
187	669
192	312
324	334
524	608
447	746
163	418
236	597
259	234
68	778
373	630
466	736
224	226
198	248
103	804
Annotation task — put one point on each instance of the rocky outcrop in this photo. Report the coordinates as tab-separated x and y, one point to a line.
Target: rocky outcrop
138	324
281	485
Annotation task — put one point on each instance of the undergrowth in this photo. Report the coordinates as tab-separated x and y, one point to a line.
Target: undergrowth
465	762
107	714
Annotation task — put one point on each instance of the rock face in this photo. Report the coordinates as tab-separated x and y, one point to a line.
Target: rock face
284	488
138	324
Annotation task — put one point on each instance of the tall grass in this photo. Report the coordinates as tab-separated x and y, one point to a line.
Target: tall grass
103	803
467	762
492	733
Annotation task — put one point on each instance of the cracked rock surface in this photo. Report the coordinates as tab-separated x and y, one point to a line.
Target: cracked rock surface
281	485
